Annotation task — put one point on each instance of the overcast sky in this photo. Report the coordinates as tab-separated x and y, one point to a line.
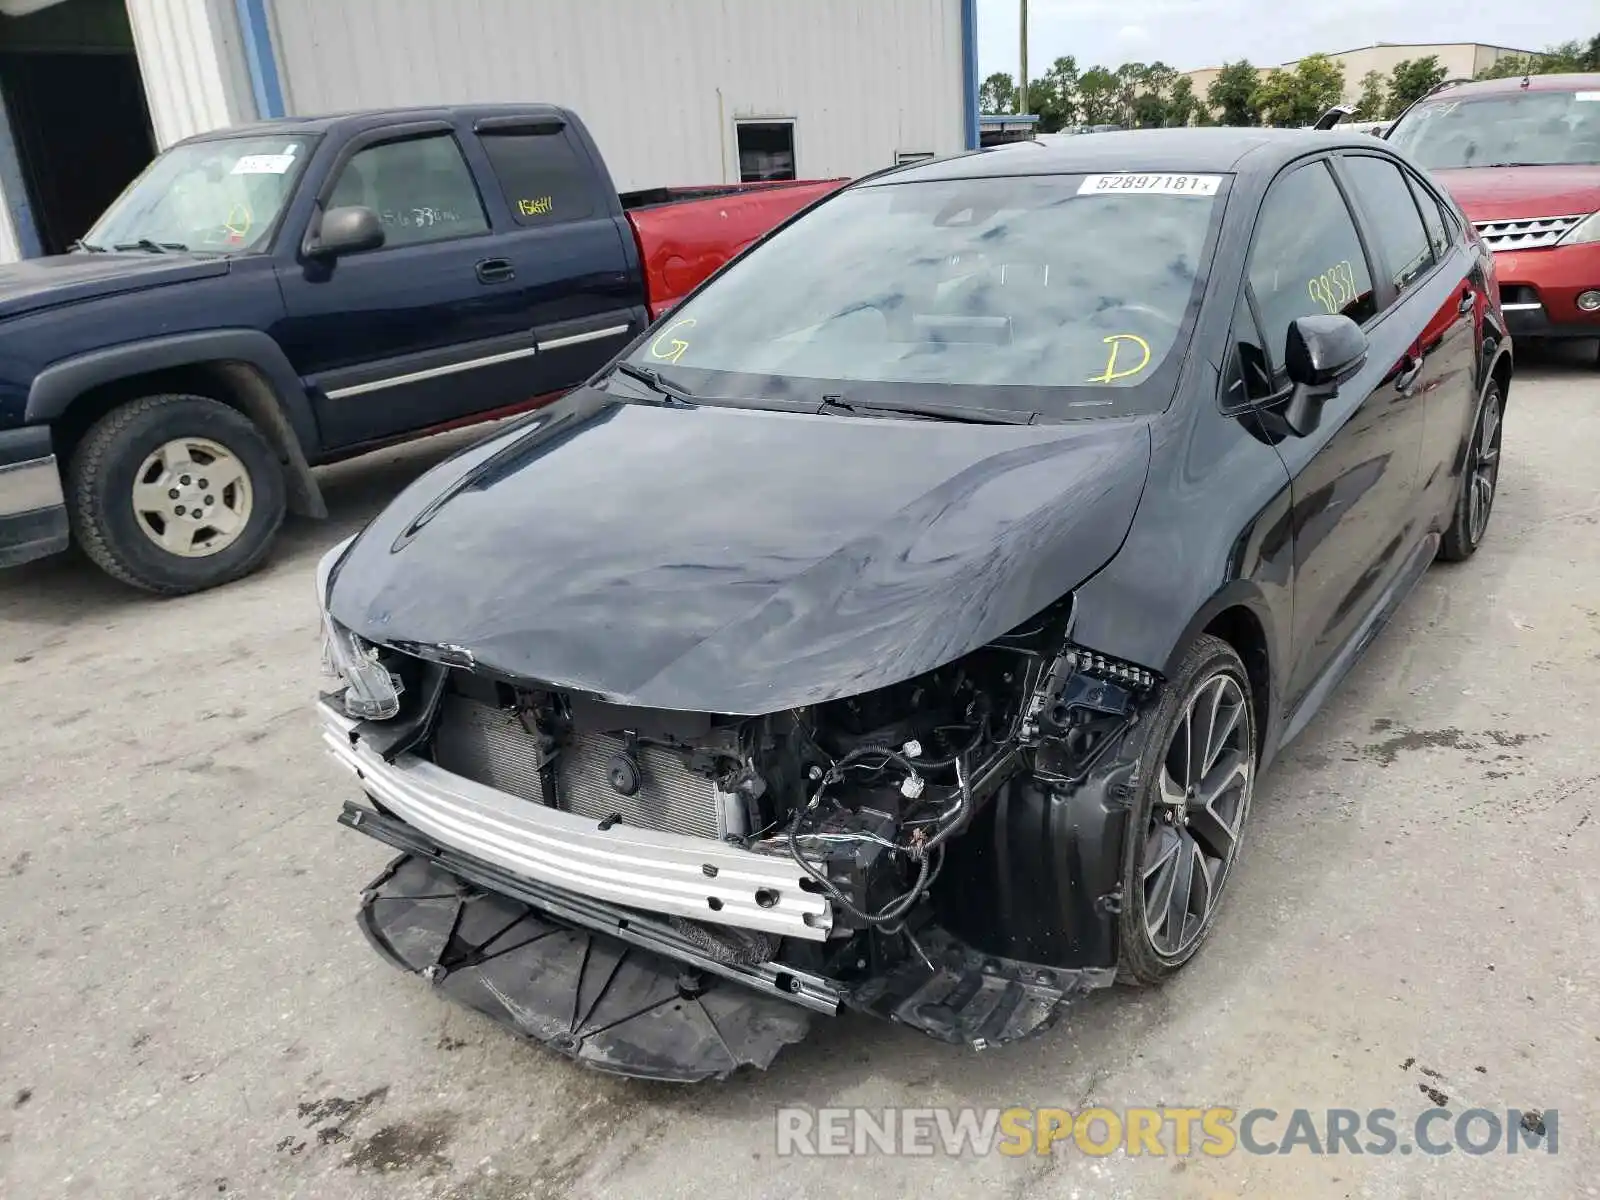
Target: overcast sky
1203	33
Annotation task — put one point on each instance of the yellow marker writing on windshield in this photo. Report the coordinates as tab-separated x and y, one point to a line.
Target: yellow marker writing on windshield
238	221
1116	341
674	349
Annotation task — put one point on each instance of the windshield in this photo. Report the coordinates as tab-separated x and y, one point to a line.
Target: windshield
1064	295
1525	128
222	195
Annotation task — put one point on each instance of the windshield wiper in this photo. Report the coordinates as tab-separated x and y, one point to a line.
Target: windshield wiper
88	247
652	379
939	412
147	244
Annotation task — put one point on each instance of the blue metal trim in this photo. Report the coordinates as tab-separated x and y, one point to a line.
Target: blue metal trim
16	192
258	56
969	69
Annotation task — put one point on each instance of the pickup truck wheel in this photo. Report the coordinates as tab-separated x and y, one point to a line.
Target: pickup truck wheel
175	494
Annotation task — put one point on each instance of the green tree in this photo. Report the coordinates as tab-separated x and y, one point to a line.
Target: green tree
1054	96
1298	97
1183	106
997	94
1560	58
1098	92
1374	102
1130	79
1233	94
1510	66
1152	99
1411	80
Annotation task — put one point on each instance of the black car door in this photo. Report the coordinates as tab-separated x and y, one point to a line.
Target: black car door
1354	476
417	332
566	243
1432	271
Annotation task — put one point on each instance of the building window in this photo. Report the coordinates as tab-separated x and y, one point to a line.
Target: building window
901	157
766	150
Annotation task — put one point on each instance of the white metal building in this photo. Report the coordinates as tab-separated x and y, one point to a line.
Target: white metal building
675	91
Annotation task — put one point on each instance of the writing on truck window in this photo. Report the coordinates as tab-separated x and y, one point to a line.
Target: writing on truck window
542	207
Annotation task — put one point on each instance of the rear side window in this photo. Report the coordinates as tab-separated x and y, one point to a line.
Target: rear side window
1307	257
543	177
1433	217
420	188
1387	199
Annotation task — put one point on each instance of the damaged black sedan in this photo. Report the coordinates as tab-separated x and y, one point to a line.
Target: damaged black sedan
902	623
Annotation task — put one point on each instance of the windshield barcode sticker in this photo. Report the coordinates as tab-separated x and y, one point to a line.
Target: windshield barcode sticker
263	164
1586	96
1151	185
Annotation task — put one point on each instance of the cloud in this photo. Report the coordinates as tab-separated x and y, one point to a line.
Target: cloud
1132	35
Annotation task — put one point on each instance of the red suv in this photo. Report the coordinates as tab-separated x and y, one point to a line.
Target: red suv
1522	158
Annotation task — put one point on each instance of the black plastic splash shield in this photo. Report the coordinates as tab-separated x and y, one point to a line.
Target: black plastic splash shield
956	994
610	1005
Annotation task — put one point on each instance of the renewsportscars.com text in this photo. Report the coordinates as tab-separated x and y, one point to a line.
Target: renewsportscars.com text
1178	1132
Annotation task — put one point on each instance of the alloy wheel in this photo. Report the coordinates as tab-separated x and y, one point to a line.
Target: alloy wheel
1485	470
192	497
1203	797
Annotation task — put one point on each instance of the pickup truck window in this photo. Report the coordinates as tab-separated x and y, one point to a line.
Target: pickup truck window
541	175
421	189
222	195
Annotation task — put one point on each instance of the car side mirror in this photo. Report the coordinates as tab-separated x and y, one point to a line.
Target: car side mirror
1321	354
349	229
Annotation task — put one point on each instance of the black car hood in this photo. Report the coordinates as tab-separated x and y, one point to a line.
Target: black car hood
738	561
39	283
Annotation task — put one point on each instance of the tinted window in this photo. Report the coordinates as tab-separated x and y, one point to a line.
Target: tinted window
1432	217
1532	128
1402	241
1250	378
421	190
1031	291
544	177
1307	257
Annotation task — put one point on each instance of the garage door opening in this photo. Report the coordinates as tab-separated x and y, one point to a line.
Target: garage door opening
76	107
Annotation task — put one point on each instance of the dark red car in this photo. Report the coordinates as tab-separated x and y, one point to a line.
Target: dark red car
1522	158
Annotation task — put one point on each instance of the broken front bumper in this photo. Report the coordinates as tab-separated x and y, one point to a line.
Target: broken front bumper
645	869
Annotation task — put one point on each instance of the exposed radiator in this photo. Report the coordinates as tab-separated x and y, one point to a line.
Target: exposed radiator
490	746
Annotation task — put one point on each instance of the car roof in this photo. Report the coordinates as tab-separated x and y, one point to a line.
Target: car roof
1191	151
360	121
1534	83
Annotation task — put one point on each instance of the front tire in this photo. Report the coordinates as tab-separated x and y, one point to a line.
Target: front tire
174	494
1197	765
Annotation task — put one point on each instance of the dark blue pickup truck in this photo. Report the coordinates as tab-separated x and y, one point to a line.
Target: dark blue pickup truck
267	298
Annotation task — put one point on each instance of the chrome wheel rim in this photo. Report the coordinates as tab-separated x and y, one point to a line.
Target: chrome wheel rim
1203	796
192	497
1485	473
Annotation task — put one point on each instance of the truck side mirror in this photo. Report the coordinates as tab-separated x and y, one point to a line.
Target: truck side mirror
349	229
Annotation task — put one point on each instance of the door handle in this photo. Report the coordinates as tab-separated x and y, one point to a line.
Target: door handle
1405	381
495	270
1468	301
